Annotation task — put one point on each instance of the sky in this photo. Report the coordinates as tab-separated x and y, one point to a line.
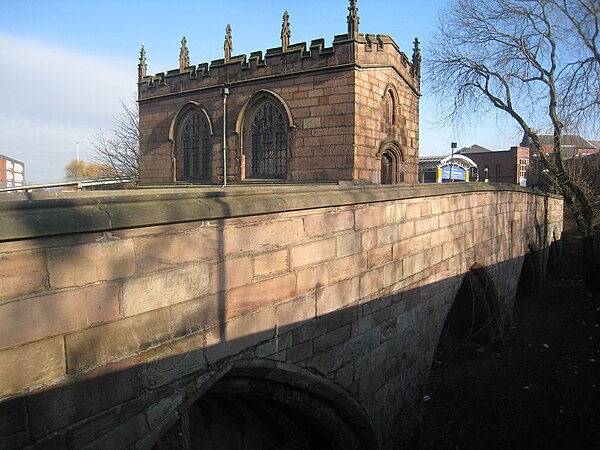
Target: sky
66	65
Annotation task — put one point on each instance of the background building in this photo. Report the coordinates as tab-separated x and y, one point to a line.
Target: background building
347	112
12	172
501	166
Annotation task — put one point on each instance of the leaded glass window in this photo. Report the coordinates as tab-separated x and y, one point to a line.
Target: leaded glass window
269	143
387	170
194	157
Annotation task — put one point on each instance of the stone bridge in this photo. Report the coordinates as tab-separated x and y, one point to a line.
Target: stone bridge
251	317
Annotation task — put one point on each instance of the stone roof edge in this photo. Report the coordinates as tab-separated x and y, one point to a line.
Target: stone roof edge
36	215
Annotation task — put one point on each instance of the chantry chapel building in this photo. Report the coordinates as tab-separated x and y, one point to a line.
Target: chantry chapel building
349	112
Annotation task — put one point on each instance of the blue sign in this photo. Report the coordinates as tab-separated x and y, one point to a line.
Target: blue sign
458	173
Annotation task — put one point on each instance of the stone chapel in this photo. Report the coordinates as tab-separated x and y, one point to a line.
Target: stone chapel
349	112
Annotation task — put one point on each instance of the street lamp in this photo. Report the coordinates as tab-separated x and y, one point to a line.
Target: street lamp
452	146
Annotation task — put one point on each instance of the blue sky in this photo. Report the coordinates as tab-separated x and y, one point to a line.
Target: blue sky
65	65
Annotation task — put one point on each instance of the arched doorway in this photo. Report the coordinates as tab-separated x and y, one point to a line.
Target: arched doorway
261	404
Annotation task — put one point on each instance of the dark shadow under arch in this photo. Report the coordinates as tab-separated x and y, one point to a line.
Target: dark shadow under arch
263	404
471	315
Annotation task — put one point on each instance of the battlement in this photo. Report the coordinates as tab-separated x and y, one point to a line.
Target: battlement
348	50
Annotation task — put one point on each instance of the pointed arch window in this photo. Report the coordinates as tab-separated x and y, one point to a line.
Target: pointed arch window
193	152
390	108
390	167
269	142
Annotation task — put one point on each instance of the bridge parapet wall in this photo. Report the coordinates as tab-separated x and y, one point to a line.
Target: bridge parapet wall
116	308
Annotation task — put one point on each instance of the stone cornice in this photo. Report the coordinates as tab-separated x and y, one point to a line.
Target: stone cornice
35	215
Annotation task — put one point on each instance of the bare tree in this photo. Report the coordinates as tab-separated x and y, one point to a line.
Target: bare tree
120	150
523	57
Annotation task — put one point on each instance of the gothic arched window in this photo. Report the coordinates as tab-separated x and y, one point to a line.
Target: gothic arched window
387	166
269	142
390	108
193	151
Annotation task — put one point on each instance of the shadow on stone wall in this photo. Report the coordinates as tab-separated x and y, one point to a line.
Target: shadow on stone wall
354	378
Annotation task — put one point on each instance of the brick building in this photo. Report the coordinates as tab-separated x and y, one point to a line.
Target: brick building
349	112
12	172
573	146
501	166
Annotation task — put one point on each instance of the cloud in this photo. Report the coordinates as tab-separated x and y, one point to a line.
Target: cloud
53	97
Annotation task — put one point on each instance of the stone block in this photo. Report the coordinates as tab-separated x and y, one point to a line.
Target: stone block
300	352
313	278
328	223
332	339
162	289
350	266
198	314
169	362
370	217
34	318
371	282
112	341
312	253
271	263
336	296
379	256
13	416
32	364
239	334
348	244
90	263
260	294
82	396
263	236
230	273
124	435
22	273
161	252
291	314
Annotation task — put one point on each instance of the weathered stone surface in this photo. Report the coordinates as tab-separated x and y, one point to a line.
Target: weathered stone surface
13	416
105	343
312	253
239	334
170	361
230	273
271	263
32	364
89	263
260	294
264	237
337	295
197	314
82	396
22	273
162	252
161	289
34	318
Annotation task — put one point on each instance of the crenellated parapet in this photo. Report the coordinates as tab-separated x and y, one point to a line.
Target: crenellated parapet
350	49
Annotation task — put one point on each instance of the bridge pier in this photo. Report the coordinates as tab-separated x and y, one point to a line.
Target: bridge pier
129	317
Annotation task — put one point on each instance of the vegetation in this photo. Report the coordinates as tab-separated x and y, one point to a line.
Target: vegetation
120	149
77	169
539	62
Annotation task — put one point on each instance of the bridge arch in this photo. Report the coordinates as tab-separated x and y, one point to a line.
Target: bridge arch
257	404
472	314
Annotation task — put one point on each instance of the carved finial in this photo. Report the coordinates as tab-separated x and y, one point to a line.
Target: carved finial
286	32
228	45
142	67
416	59
353	20
184	55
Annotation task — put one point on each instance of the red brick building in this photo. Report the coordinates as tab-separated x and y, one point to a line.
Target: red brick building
502	166
349	112
12	172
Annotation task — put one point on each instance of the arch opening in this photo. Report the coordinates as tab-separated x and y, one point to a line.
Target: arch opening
470	318
250	408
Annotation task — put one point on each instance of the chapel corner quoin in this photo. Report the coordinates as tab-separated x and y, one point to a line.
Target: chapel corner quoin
349	112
